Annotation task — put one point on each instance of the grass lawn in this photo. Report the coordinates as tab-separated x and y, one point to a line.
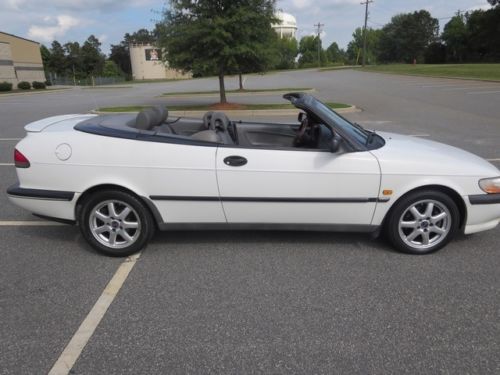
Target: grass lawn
287	89
469	71
137	108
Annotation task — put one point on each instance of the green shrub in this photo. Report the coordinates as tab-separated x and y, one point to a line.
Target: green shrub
5	86
48	83
23	85
38	85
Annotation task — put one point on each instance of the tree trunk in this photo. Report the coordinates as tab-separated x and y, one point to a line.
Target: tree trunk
241	82
222	88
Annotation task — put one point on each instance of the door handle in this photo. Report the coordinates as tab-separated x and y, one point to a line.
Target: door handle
235	161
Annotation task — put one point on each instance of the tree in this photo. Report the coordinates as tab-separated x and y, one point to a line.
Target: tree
483	34
308	50
286	51
494	2
120	55
355	47
74	63
407	36
111	69
92	58
207	36
455	37
57	60
334	54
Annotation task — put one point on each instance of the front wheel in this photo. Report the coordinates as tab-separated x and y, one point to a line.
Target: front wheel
423	222
115	223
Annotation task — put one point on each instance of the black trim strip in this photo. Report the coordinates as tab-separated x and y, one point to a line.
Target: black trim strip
34	68
272	226
17	191
484	199
6	62
266	199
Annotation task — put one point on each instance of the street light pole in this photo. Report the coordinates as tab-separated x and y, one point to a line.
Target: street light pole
365	3
319	25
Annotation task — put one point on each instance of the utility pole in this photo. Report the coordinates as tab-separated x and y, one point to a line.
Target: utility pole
365	3
319	25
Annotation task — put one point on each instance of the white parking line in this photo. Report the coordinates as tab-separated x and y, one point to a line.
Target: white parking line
6	164
438	86
419	135
483	92
10	139
493	159
75	347
31	223
468	88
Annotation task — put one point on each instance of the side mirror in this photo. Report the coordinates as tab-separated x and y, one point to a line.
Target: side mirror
301	117
335	143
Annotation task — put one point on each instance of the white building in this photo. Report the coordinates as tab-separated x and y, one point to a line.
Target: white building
147	63
287	27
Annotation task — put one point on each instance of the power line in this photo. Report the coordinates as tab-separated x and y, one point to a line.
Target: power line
365	3
319	25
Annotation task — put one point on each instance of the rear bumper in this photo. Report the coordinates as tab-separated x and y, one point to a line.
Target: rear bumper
17	191
48	203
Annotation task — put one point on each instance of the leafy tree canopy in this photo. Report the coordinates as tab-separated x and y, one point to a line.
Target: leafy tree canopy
407	36
207	36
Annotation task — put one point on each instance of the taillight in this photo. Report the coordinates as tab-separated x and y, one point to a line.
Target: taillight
20	160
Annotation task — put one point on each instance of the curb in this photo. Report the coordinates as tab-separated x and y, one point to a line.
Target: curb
427	76
48	91
252	113
234	94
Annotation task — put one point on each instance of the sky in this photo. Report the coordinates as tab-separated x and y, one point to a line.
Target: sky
109	20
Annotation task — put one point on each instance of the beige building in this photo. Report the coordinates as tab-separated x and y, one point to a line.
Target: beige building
20	60
146	61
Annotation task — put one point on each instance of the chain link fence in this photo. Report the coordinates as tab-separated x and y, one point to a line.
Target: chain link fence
54	79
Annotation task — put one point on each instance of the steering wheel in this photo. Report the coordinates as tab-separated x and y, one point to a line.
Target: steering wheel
298	141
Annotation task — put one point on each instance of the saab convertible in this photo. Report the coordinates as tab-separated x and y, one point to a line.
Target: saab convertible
121	177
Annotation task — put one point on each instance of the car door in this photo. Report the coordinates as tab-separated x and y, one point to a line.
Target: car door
294	186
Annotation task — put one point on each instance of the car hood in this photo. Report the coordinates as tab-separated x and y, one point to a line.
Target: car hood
413	155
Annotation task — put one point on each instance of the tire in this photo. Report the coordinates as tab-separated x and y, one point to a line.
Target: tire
422	222
115	223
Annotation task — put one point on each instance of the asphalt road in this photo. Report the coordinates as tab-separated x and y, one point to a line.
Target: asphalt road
260	302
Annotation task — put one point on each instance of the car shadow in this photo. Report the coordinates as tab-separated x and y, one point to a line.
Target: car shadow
278	237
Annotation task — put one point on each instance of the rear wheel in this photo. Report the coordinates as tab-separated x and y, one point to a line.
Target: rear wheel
115	223
423	222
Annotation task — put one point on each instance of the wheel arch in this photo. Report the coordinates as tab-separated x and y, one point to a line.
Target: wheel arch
453	194
149	205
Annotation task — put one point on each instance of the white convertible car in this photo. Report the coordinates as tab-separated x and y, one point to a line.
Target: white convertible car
120	177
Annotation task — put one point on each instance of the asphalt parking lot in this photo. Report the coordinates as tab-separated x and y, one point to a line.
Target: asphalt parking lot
259	302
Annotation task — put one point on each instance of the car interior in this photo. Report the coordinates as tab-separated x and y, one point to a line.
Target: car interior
216	127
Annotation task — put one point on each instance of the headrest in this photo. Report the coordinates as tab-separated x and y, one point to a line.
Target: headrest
143	121
219	120
161	112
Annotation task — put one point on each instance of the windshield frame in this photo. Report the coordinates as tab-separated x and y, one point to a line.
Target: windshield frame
355	136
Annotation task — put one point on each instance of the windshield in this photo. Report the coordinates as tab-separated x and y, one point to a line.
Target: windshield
327	114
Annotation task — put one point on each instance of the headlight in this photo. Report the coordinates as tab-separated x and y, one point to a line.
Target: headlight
490	185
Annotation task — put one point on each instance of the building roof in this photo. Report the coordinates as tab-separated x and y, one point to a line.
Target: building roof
18	37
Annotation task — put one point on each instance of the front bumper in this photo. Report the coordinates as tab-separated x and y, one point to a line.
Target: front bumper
484	199
483	212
